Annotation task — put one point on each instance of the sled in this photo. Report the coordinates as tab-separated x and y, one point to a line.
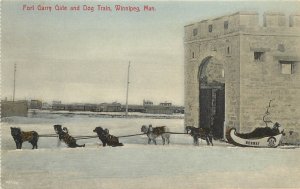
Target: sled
262	142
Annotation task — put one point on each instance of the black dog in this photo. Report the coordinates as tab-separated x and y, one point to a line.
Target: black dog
64	135
21	136
203	133
106	138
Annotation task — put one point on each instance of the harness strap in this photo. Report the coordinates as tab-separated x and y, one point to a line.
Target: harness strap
84	137
87	137
54	135
177	133
131	135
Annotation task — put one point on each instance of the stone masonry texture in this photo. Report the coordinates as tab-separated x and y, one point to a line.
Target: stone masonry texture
230	43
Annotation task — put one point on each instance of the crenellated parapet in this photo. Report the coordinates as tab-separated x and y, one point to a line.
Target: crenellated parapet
274	19
272	22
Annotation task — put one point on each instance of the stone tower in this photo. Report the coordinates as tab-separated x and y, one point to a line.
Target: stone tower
234	66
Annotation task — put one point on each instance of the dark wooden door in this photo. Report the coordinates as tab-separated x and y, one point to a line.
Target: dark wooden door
219	117
205	107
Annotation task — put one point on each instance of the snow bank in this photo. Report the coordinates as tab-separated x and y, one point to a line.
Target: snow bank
137	164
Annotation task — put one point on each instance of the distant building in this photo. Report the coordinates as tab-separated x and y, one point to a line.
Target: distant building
56	102
147	107
109	107
159	110
165	104
134	108
162	108
90	107
36	104
76	107
147	103
178	109
59	107
80	107
46	106
14	108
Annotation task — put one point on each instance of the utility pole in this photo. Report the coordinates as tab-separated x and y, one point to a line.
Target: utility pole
14	92
126	114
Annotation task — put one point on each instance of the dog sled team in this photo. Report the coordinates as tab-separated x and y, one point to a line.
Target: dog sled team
260	137
105	137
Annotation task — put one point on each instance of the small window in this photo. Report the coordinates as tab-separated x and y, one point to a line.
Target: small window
195	32
228	50
287	67
225	25
210	28
280	47
259	56
193	54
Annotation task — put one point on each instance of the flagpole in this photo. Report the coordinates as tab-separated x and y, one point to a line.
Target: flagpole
14	92
126	114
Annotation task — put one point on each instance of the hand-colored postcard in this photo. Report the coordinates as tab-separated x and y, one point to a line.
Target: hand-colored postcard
150	94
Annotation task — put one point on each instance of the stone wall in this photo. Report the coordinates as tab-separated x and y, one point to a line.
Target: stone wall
262	81
231	40
221	58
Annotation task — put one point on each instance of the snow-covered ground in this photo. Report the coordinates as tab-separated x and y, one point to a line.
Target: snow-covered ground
137	164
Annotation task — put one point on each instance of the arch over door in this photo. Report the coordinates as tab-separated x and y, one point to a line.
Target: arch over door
212	96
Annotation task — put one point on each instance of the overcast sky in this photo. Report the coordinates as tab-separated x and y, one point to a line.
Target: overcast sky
83	56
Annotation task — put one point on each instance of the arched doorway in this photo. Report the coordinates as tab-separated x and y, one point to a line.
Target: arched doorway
212	96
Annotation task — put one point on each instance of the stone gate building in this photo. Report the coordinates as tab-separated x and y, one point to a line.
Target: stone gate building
234	66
